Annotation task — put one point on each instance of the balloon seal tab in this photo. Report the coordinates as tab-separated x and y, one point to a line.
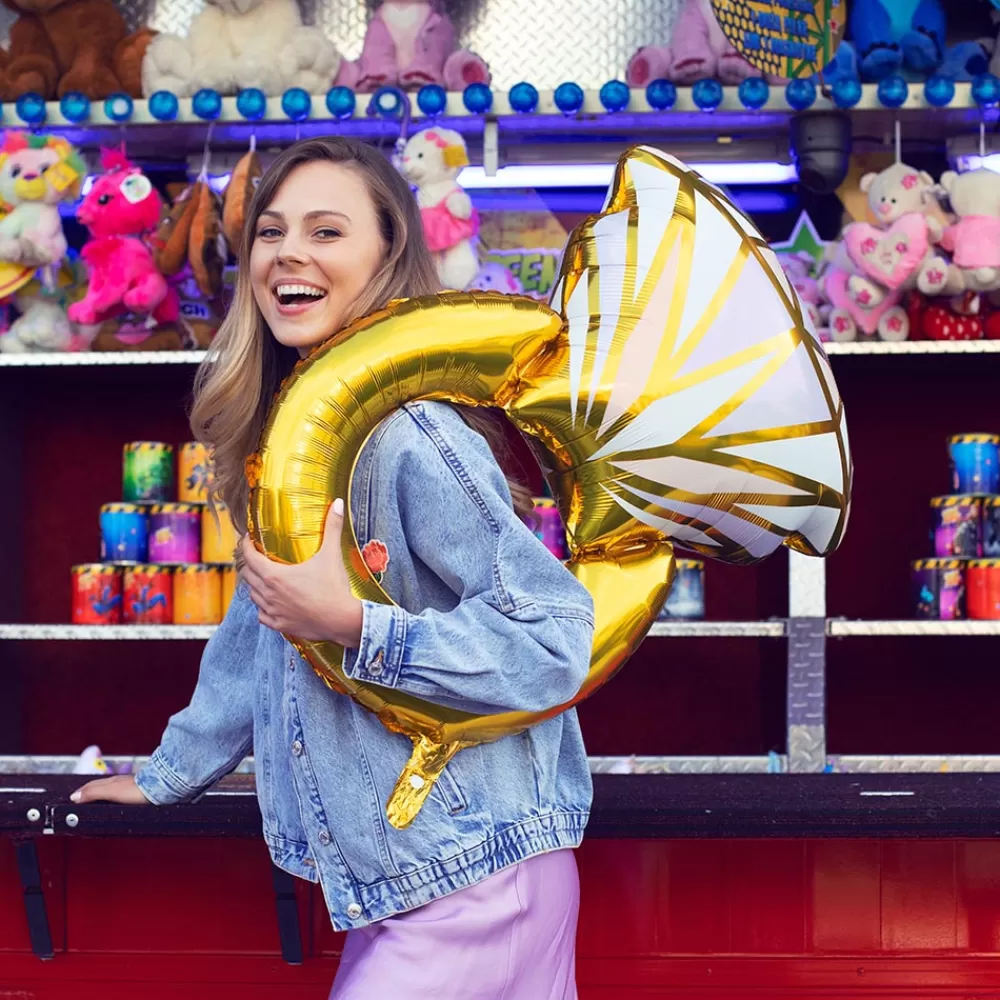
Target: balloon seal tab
428	761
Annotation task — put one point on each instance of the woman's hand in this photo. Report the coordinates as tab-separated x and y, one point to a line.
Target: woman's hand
121	788
312	600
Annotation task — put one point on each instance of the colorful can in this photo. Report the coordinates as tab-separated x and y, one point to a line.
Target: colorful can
97	594
975	463
982	586
939	588
991	527
192	473
229	577
686	599
549	527
175	533
123	533
197	595
148	595
148	472
957	527
218	536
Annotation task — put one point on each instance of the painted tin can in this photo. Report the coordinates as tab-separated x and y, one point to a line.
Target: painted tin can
148	472
147	595
175	533
686	600
123	533
956	526
97	594
549	527
982	586
939	588
218	537
975	463
197	595
991	527
229	578
192	473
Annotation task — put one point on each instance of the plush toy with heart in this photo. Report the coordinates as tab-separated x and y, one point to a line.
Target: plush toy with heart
886	318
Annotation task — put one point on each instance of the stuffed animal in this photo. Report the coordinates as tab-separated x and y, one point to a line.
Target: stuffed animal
698	50
36	173
118	210
899	253
494	277
410	43
234	44
849	317
91	762
431	161
58	46
974	240
798	268
42	327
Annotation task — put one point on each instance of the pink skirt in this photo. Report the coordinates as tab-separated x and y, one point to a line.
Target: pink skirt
510	937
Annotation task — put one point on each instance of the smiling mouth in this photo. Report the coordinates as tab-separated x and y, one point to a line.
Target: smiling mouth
295	294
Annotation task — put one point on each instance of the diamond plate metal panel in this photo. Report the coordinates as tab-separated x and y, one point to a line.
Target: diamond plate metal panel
773	764
945	764
806	749
544	41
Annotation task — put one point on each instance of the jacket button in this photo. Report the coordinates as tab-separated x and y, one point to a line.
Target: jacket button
375	670
297	749
324	838
354	911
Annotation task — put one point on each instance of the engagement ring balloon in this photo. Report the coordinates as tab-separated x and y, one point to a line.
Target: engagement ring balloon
675	390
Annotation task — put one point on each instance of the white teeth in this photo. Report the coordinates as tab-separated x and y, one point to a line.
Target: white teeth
299	290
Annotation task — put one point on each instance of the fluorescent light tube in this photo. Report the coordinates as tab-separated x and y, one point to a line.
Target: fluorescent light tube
599	175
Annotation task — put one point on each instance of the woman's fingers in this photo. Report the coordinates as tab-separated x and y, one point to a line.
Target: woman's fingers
121	788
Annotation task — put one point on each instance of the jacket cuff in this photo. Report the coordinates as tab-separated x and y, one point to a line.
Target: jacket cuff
379	657
161	784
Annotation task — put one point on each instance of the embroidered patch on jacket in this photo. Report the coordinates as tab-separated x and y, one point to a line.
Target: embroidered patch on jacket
376	557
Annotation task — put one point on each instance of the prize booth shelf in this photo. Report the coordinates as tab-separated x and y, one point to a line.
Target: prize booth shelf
797	796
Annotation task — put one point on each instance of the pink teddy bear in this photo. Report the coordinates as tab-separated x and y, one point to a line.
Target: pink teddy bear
121	207
410	43
698	50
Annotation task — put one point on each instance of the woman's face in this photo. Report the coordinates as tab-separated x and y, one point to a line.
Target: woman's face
316	248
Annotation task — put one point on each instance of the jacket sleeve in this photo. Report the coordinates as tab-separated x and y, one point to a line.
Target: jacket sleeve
520	635
210	737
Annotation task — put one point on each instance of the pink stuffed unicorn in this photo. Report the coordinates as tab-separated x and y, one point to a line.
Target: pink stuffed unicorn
120	207
698	50
410	43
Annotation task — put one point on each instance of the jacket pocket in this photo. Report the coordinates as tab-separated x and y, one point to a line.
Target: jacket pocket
449	792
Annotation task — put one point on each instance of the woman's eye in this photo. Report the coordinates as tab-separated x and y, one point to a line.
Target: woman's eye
269	233
326	233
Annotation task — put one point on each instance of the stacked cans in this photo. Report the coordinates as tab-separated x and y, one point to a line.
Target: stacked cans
963	578
166	553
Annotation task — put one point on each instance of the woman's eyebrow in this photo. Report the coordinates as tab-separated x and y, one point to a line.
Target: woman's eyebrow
271	213
326	211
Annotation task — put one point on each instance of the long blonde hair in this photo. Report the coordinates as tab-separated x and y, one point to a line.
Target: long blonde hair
245	366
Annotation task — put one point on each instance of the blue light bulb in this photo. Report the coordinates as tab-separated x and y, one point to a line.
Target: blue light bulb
75	107
661	95
31	108
754	93
296	103
707	94
615	96
252	104
800	94
432	99
893	92
118	107
523	97
846	92
207	104
986	90
478	98
340	102
939	91
568	98
164	106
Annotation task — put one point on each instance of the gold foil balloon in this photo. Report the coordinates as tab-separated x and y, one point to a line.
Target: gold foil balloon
677	395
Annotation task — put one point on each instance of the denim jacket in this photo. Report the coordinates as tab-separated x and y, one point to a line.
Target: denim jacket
487	620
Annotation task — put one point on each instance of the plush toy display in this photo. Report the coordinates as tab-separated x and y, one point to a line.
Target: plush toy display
698	50
494	277
58	46
798	268
974	240
431	162
234	44
120	208
899	253
36	173
410	43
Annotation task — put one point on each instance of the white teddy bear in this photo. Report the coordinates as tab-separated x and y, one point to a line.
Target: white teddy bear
974	240
43	326
431	162
236	44
900	254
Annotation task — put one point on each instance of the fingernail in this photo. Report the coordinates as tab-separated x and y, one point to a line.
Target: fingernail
338	507
75	797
